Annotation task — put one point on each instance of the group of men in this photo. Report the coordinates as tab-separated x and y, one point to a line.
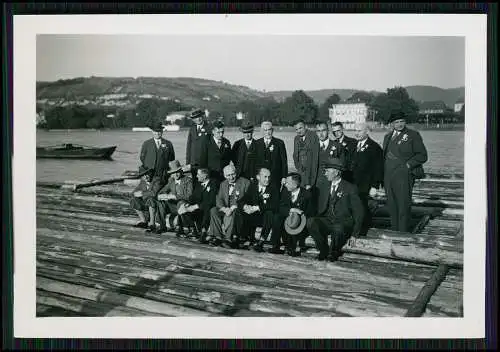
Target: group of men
230	191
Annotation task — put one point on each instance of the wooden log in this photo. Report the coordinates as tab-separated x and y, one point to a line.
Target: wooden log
268	299
415	252
418	306
83	307
115	298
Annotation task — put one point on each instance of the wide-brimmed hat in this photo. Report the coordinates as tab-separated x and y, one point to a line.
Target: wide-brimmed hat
246	127
157	127
174	165
295	223
334	163
397	115
196	113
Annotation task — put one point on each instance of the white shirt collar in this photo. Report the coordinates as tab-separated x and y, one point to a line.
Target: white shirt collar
325	143
205	183
295	193
362	143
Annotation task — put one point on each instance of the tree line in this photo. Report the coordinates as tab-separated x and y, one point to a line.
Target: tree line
298	106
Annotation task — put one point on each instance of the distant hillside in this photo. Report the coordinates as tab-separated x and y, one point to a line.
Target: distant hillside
418	93
191	91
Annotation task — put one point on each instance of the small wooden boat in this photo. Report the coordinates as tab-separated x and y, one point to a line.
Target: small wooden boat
74	151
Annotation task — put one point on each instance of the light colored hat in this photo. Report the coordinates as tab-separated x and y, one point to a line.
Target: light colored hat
295	223
174	165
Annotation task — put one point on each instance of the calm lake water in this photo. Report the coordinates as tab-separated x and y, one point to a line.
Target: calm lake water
445	148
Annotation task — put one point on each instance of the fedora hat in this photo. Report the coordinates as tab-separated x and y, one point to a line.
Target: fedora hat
246	127
157	127
196	113
334	163
174	165
295	223
397	115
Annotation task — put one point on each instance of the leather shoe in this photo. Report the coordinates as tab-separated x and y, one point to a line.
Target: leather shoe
151	228
275	250
141	225
160	230
259	247
321	257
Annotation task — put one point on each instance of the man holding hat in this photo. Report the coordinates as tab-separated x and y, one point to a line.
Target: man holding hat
244	153
155	155
196	134
339	211
296	205
404	154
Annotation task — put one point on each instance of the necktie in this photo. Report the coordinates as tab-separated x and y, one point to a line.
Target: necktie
294	197
248	144
231	188
395	134
325	145
360	144
267	143
157	143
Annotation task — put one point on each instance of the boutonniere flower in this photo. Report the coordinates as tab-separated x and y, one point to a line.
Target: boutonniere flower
405	137
265	195
333	148
199	134
271	148
364	148
331	152
340	194
344	144
163	145
207	189
237	193
202	130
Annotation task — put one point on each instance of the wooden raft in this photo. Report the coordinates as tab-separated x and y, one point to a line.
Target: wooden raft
92	262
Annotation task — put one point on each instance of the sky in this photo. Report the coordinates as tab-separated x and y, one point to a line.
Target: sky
262	62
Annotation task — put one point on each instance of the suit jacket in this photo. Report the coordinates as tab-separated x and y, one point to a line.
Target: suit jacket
305	157
212	157
342	205
350	148
205	197
273	158
334	150
194	142
303	202
245	159
223	200
368	166
269	200
182	191
156	158
407	148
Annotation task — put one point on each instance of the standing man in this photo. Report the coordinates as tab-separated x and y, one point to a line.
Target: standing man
328	149
367	170
340	213
305	154
215	153
196	134
155	155
245	153
271	154
348	143
404	155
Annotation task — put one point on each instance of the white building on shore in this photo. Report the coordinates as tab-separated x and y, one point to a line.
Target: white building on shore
349	114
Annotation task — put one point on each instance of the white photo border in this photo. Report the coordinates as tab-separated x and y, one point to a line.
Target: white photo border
470	26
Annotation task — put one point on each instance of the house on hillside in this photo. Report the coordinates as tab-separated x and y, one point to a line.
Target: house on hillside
350	114
459	104
175	116
432	107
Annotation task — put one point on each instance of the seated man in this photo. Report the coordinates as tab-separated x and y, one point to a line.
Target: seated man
143	200
259	207
339	211
298	200
197	210
174	194
225	217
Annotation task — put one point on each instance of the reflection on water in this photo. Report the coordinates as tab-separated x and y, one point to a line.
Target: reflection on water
445	148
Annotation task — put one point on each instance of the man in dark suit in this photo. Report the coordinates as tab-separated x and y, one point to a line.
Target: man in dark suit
339	214
404	154
225	217
197	210
215	153
155	155
349	144
328	149
367	167
196	134
259	207
271	154
305	154
245	153
293	199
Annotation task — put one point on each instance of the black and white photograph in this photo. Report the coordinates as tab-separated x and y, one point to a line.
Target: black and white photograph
226	170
